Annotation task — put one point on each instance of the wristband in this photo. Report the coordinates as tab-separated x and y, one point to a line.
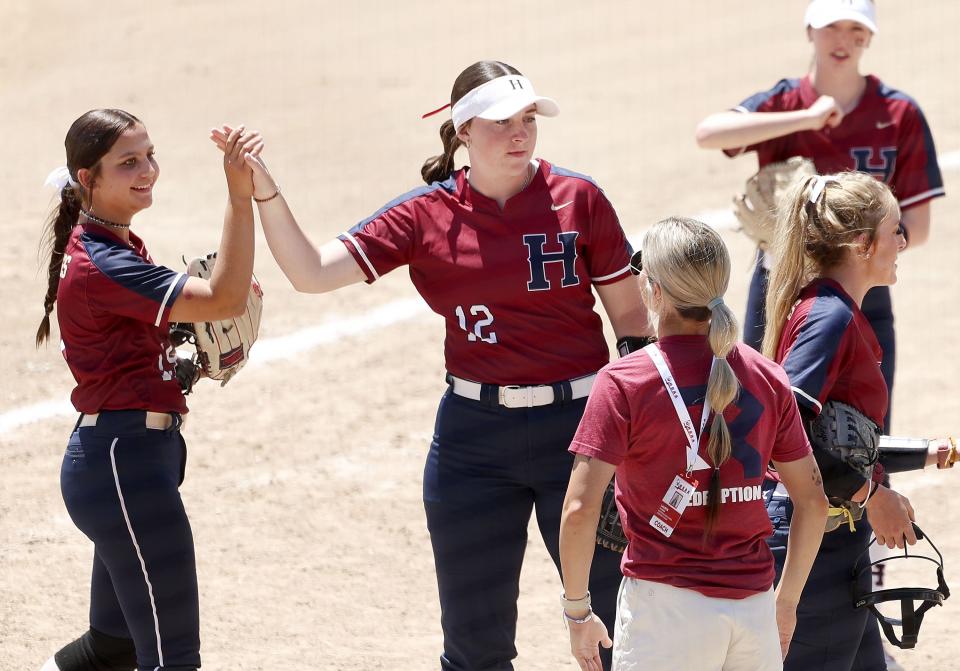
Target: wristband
268	198
575	604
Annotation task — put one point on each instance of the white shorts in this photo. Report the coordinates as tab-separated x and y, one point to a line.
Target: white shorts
670	628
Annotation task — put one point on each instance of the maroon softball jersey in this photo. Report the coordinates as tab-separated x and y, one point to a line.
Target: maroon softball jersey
113	304
513	285
886	135
830	351
631	422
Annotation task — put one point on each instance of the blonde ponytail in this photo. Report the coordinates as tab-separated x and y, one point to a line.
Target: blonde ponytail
691	264
819	219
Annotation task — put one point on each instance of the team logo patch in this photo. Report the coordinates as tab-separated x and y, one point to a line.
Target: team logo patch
538	259
864	160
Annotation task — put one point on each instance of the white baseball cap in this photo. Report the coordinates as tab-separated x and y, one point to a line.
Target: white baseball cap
501	98
822	13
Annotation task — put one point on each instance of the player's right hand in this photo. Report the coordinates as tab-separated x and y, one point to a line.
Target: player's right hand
263	183
786	624
238	145
891	516
585	642
825	111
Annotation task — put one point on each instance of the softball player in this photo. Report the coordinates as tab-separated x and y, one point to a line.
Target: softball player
847	228
698	574
125	458
841	120
507	251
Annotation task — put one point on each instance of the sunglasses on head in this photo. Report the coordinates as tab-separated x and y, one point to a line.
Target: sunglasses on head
636	262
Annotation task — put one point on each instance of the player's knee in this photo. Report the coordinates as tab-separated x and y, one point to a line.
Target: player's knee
96	651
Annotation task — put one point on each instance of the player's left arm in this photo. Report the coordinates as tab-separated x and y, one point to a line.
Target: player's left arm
917	222
802	479
624	306
917	179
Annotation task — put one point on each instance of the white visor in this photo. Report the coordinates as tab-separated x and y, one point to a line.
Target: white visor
822	13
501	98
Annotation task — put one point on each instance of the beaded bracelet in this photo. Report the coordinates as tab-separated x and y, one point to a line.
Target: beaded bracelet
268	198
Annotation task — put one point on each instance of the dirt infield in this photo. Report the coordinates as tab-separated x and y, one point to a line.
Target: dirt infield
303	484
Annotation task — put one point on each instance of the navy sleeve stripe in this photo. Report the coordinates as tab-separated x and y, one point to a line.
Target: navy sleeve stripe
812	355
563	172
885	91
449	184
934	178
124	267
803	398
754	102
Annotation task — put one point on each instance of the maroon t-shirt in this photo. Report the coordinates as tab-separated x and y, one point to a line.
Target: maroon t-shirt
631	422
113	305
513	285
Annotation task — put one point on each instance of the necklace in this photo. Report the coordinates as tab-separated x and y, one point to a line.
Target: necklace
103	222
526	180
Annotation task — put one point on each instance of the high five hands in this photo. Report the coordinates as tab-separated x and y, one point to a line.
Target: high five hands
244	148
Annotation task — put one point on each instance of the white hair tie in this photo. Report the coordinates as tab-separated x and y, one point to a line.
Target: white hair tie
714	303
819	185
59	178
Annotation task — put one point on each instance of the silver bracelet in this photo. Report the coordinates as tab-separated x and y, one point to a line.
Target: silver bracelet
578	620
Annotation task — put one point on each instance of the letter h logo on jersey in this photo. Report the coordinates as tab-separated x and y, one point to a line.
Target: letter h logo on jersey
538	260
863	159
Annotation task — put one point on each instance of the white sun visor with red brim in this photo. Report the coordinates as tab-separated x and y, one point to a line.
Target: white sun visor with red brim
822	13
498	99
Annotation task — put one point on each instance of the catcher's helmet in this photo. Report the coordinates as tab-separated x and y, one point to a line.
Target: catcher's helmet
911	617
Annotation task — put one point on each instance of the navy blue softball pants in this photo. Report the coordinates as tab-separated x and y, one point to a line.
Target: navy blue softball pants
831	634
120	484
877	308
488	468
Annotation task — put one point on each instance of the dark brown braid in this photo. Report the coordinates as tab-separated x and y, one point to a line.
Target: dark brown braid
90	137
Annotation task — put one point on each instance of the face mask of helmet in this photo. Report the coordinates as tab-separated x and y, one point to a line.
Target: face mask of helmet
910	617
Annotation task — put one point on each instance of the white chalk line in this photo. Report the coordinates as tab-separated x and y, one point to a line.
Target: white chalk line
337	328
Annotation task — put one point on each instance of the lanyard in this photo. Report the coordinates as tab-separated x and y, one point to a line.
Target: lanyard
693	438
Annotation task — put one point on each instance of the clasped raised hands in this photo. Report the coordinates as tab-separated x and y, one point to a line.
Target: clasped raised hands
241	152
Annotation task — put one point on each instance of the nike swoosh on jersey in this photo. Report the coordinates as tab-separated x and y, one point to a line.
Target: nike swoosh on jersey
883	124
556	207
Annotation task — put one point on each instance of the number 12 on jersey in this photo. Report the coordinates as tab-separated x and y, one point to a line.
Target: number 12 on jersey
476	333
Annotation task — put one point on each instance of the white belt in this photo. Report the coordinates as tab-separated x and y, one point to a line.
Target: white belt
515	396
155	420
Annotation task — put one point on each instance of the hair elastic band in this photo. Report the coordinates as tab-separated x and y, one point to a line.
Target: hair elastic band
819	185
59	178
715	302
